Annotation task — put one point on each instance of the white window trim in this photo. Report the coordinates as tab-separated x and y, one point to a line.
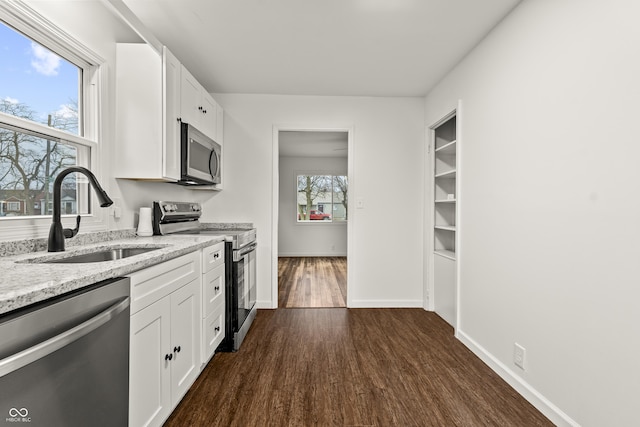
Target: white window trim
25	19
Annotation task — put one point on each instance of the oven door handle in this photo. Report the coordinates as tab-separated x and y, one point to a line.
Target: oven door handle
242	252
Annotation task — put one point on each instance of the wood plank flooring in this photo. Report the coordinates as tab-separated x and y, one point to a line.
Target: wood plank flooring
351	367
312	282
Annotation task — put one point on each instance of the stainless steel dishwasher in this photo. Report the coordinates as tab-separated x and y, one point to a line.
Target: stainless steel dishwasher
65	361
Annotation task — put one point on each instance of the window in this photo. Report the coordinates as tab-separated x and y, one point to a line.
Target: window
48	102
322	198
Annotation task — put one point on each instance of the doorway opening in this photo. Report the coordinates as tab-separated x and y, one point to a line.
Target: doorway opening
313	218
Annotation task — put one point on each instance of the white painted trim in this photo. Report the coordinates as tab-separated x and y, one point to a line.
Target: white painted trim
275	199
557	416
459	204
275	208
312	254
264	305
25	19
378	303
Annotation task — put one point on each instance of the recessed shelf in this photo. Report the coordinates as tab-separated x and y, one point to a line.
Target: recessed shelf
445	201
445	227
446	254
449	148
447	174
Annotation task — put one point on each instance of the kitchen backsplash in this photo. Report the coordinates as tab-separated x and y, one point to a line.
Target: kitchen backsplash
24	246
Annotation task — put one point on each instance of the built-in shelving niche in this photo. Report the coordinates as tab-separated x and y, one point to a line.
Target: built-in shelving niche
445	204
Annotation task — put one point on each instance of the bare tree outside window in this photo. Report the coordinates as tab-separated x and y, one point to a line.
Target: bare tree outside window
321	198
41	87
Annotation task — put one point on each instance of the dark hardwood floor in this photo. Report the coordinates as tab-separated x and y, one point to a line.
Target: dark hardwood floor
312	282
351	367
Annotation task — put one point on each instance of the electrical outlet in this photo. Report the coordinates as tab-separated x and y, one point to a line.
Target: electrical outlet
518	355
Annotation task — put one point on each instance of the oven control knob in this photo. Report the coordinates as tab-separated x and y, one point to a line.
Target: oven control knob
168	208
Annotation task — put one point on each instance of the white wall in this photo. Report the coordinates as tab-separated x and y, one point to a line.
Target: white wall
318	238
550	203
387	158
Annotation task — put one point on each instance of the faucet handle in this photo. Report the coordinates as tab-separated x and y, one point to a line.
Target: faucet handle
69	233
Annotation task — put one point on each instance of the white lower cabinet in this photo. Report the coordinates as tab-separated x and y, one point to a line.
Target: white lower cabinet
213	300
165	331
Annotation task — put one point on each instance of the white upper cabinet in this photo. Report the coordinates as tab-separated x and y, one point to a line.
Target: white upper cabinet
198	107
147	113
155	93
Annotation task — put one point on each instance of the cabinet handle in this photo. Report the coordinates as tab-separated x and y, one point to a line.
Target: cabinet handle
217	328
216	255
217	288
176	349
179	119
200	108
168	356
204	111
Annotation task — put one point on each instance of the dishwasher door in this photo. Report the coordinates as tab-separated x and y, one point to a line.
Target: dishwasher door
65	362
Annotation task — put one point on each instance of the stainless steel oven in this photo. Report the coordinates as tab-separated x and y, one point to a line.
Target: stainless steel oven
240	264
243	282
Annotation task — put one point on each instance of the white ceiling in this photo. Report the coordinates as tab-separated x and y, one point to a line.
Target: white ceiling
312	144
322	47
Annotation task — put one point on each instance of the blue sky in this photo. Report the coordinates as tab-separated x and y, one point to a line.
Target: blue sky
32	75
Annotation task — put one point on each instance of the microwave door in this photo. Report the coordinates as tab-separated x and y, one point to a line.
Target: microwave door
198	161
214	165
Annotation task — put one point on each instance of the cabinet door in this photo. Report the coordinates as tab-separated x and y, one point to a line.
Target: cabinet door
149	371
209	115
185	338
212	290
171	114
190	102
212	332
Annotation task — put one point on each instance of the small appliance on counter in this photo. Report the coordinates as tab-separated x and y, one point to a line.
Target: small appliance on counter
145	226
240	263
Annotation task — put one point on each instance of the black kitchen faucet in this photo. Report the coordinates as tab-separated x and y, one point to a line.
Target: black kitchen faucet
56	233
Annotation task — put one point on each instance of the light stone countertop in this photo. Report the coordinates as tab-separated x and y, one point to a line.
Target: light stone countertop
23	282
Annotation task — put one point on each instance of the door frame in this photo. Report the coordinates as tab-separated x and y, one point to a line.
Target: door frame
275	199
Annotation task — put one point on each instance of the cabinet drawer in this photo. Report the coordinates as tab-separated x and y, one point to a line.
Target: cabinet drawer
212	256
212	333
212	290
153	283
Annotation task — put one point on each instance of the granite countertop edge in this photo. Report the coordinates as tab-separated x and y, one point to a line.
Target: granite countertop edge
25	282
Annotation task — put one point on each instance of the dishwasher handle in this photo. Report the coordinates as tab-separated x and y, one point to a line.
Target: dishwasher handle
40	350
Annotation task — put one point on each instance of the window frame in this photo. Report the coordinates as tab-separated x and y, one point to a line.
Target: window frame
38	28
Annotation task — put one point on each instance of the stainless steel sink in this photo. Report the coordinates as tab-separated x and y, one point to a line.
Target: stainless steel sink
100	256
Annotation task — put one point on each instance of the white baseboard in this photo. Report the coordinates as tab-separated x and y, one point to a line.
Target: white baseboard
370	303
313	254
264	305
534	397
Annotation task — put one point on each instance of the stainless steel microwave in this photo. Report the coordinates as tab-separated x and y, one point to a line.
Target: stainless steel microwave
200	158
